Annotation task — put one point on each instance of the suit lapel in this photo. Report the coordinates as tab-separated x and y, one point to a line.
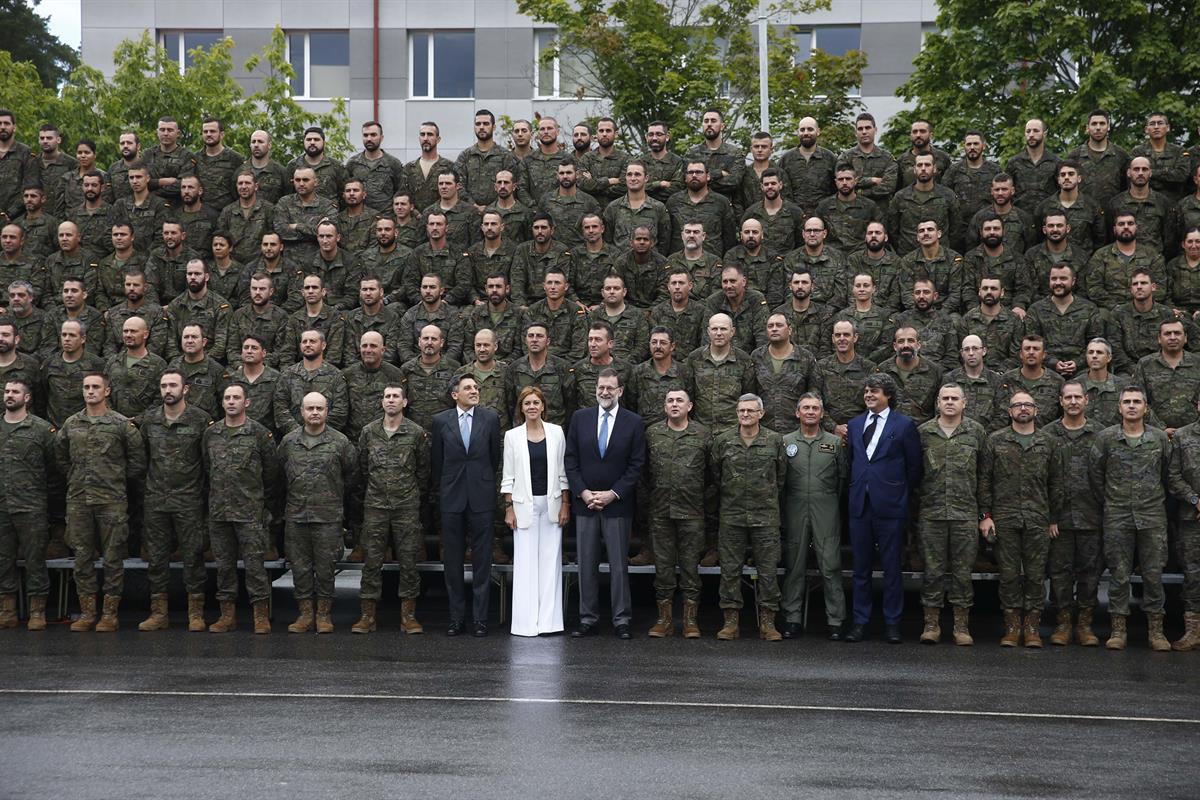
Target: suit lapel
884	436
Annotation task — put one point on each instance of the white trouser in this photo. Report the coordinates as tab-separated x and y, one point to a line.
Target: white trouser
537	575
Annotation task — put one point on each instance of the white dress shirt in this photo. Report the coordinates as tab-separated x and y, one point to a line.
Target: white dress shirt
612	420
881	418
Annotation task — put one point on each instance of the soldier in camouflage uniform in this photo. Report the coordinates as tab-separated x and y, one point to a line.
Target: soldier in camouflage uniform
74	307
173	518
1019	231
1110	268
196	217
243	468
62	371
199	305
917	378
1134	325
478	165
533	258
1102	163
567	206
248	219
681	313
601	355
921	201
642	268
381	174
540	367
954	449
700	202
846	213
636	207
843	372
168	161
311	374
656	377
1183	480
782	221
1157	216
980	385
718	373
921	135
883	265
597	259
203	374
366	378
746	307
490	255
809	167
1015	503
1170	377
992	258
936	329
15	264
370	315
257	379
356	219
1085	217
98	450
134	371
1065	321
1102	387
826	265
16	166
319	465
1183	273
971	178
271	176
764	269
285	276
932	261
39	227
1033	377
330	175
565	321
1129	469
216	165
1034	169
432	310
999	329
875	167
260	317
784	371
1170	162
297	215
427	377
724	161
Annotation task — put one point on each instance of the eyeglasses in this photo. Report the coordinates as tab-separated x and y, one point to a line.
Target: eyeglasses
1023	405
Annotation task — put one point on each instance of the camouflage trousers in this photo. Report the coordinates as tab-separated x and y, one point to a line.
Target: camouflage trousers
250	540
402	530
677	543
763	541
1021	553
949	548
826	537
108	522
23	536
1076	562
1189	549
162	532
313	549
1120	545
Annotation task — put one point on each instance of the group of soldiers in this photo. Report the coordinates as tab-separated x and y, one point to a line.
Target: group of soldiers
172	317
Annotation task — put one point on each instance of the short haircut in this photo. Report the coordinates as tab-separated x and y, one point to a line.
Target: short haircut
609	372
883	382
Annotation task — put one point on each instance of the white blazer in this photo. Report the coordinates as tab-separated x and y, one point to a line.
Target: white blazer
515	480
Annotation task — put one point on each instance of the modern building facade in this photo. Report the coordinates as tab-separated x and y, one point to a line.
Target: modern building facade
402	62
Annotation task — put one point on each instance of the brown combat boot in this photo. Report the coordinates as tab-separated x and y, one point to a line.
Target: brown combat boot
933	628
1083	629
711	559
1033	637
690	629
1189	641
962	630
37	613
665	626
87	613
766	625
366	622
304	622
158	619
356	555
228	619
408	616
1062	628
324	615
730	629
108	620
1154	631
262	620
8	611
1117	640
196	612
644	558
1012	628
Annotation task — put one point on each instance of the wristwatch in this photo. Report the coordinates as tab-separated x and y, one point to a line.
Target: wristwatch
1193	499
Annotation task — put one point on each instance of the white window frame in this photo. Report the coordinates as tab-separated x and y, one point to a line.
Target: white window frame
814	35
429	73
180	58
287	40
556	91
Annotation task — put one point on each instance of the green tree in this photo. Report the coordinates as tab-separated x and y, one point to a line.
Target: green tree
670	59
25	34
995	63
24	95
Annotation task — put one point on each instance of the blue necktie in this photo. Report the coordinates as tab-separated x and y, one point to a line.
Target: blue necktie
464	427
603	434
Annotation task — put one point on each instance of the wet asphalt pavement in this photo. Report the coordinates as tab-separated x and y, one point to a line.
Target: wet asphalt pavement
286	716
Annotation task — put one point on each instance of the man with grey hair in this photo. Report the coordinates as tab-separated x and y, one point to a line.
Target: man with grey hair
28	319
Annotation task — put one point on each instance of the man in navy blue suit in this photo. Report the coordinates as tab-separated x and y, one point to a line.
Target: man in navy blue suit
606	447
885	465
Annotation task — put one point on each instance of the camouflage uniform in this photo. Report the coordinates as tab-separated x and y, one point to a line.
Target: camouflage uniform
1033	183
62	384
669	168
462	224
217	174
911	206
783	231
567	327
477	170
714	211
1066	333
971	185
1104	398
1184	283
917	391
1169	390
1075	559
945	270
677	471
134	386
336	273
1089	229
270	325
812	328
1171	171
1020	230
297	381
651	389
331	175
1134	334
705	272
1184	482
780	385
587	374
145	218
843	387
1008	266
529	270
1044	391
204	379
907	160
715	386
169	272
491	393
556	379
357	322
449	264
358	230
1001	335
728	158
601	168
809	178
828	271
55	316
1157	219
936	331
847	221
383	177
17	166
210	312
685	325
260	391
225	282
879	163
417	317
588	271
327	321
765	272
365	388
1103	173
286	279
27	467
481	265
1041	261
427	389
41	236
273	179
567	212
175	164
884	271
984	403
301	241
516	218
645	281
749	320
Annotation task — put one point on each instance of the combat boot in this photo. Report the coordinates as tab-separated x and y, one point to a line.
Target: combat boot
196	612
356	555
408	616
1012	628
665	626
87	613
37	613
766	625
933	628
1154	631
262	620
962	631
304	622
324	612
1189	641
1117	640
730	629
108	620
366	623
1083	629
1062	628
644	558
711	558
158	619
228	619
8	611
690	629
1033	637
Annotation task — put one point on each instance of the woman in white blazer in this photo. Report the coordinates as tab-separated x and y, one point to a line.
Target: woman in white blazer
538	505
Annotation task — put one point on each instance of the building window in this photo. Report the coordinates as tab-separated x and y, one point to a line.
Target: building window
180	44
836	40
442	64
567	75
321	60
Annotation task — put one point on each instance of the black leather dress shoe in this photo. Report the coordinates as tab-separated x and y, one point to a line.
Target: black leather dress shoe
892	634
835	634
456	628
623	632
855	633
583	630
480	630
792	630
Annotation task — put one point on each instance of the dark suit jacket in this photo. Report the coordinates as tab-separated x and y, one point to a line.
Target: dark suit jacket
620	467
889	476
466	479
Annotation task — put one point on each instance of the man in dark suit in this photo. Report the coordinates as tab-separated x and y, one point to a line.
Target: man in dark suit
885	465
465	454
606	447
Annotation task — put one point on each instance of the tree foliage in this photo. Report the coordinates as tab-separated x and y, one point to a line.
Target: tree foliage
996	63
147	84
670	59
26	35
